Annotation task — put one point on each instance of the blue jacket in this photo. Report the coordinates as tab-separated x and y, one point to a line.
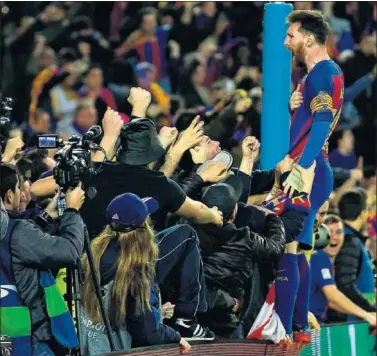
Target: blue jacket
146	329
31	250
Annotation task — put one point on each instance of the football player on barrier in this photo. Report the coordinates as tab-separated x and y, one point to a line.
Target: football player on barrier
316	107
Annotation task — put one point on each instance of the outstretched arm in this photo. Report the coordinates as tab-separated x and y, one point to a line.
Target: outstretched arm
340	302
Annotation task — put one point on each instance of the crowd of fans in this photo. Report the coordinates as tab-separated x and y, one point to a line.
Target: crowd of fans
185	244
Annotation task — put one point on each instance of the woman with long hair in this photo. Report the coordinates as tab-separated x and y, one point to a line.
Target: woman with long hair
125	254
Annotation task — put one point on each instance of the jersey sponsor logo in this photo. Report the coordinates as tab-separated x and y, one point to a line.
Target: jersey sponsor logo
326	274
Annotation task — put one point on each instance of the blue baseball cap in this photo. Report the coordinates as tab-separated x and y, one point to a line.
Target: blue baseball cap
129	210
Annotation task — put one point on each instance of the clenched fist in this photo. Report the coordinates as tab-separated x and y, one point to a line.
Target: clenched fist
250	147
111	123
140	99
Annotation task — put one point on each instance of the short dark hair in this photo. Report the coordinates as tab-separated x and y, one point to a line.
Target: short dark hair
352	204
37	157
92	67
24	165
9	179
311	21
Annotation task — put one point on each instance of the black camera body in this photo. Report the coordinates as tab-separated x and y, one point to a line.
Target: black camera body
5	114
74	162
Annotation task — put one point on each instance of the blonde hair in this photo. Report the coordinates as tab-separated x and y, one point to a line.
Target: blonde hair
135	269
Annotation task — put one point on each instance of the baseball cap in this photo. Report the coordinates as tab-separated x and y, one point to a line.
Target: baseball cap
222	157
129	210
224	195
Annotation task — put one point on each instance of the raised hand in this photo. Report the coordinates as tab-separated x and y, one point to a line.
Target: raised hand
192	136
140	99
12	149
250	148
167	135
111	123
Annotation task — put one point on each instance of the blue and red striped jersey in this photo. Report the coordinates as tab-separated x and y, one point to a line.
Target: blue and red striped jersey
152	50
323	92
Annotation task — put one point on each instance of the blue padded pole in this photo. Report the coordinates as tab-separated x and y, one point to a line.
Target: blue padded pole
276	82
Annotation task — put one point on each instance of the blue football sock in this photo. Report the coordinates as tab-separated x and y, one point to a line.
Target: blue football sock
286	286
300	316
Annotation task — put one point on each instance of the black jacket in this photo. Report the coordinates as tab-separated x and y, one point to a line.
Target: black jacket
33	250
230	256
228	252
347	268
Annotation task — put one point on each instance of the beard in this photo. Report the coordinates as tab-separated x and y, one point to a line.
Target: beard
299	55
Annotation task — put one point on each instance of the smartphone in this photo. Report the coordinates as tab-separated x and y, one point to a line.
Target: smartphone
48	141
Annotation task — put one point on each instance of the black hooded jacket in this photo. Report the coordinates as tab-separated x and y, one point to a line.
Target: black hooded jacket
229	253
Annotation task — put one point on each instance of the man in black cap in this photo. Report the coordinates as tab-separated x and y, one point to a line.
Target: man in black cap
229	255
139	148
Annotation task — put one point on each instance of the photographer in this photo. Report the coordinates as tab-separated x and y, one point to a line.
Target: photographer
14	193
28	287
3	220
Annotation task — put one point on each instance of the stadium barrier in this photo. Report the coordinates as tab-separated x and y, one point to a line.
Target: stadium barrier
349	339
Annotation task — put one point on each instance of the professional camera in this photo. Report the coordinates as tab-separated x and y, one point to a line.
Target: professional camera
74	163
5	113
